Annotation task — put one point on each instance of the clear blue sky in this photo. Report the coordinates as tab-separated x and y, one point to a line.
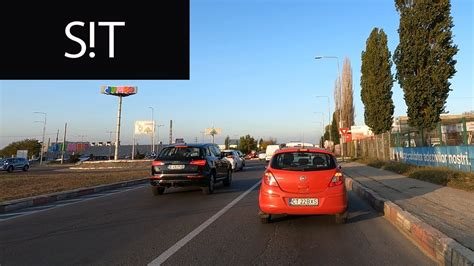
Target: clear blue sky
252	71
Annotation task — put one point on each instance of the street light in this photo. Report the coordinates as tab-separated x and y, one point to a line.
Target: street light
158	131
44	132
322	116
329	115
110	140
153	130
340	96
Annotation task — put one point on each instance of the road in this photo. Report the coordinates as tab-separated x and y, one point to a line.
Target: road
134	228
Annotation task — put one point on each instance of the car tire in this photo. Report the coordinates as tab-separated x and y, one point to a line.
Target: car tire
209	189
157	190
228	180
10	169
265	218
25	168
341	218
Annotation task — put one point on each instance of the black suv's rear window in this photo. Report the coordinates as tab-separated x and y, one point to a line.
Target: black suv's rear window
303	161
180	152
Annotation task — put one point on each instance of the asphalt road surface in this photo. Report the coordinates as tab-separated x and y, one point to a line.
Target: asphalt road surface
185	227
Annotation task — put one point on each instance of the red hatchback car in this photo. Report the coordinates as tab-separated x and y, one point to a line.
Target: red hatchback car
303	182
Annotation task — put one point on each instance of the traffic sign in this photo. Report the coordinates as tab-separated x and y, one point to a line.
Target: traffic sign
343	130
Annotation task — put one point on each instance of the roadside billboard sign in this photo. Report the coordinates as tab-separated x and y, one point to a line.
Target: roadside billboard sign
143	127
213	131
119	90
360	132
22	154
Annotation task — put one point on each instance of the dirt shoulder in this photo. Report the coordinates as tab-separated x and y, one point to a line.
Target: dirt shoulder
43	180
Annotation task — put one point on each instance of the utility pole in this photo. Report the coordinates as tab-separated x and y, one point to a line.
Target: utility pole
44	132
152	130
110	141
64	143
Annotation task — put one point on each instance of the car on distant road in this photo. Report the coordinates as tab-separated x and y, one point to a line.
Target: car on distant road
251	155
270	151
181	165
15	163
301	181
233	157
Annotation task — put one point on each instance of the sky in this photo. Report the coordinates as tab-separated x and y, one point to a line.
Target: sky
252	71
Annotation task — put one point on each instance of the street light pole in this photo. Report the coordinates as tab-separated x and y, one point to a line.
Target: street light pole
44	132
329	115
340	99
153	130
110	140
323	125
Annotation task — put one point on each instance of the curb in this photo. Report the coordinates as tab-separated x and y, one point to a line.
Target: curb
432	242
13	205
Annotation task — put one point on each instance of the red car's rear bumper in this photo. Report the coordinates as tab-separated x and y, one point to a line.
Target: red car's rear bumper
273	200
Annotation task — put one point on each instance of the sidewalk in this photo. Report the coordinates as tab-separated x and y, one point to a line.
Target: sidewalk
448	210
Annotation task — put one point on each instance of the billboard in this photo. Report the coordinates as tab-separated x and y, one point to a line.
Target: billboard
213	131
119	90
360	132
143	127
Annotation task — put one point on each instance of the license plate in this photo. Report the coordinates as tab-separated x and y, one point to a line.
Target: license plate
176	167
303	202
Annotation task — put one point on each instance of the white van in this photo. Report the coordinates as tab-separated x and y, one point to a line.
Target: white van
270	151
299	144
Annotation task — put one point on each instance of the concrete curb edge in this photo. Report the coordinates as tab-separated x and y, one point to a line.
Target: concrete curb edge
13	205
431	241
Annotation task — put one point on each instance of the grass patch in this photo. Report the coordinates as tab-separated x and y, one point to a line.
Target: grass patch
439	175
36	182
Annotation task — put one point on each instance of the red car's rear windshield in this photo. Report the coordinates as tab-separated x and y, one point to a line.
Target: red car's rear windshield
303	161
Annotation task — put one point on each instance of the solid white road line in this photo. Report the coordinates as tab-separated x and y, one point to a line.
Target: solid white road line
181	243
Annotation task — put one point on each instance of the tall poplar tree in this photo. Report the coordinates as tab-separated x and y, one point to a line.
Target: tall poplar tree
376	83
424	58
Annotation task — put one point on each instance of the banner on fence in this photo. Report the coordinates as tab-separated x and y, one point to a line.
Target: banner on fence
456	157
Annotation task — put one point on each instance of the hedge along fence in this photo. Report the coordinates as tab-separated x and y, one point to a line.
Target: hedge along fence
455	157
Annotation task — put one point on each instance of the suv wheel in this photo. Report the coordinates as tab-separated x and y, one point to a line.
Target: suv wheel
10	169
228	180
157	190
209	189
25	168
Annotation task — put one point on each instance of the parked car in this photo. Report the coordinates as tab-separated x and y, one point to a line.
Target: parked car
11	164
270	151
303	182
190	165
251	155
233	157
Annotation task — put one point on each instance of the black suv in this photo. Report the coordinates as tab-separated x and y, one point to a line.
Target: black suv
190	165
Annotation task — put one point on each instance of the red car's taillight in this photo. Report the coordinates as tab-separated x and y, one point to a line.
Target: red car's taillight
337	180
198	162
156	163
269	179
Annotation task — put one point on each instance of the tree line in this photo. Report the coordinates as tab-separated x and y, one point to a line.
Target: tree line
424	60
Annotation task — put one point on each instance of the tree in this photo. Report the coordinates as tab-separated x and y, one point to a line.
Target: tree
335	128
424	59
347	95
376	83
247	144
260	144
265	143
32	145
227	142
